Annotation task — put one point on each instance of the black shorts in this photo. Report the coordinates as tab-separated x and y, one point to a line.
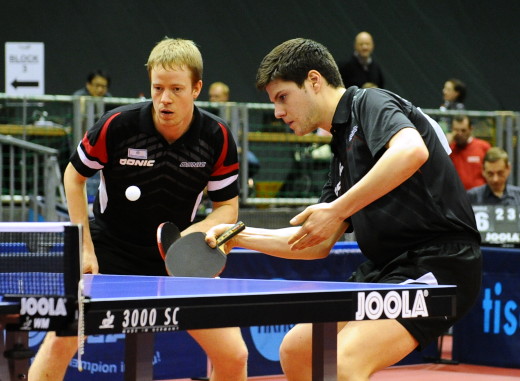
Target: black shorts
117	256
456	263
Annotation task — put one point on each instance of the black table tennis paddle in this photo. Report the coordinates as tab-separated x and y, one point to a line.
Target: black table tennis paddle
190	256
167	234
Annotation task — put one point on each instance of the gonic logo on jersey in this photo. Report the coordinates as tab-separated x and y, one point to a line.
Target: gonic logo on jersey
392	305
137	162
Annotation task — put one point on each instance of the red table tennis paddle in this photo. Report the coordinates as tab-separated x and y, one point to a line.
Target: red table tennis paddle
190	256
167	234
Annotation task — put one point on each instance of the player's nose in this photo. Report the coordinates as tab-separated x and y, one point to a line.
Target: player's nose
279	112
166	97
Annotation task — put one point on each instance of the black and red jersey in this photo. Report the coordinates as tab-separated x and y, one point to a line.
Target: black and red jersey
125	146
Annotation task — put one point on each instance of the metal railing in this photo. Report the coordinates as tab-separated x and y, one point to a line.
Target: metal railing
30	180
291	173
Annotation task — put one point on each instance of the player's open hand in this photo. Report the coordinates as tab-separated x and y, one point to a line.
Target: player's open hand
215	232
319	222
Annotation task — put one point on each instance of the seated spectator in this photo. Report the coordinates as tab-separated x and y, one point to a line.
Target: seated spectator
97	85
467	152
496	191
218	92
454	94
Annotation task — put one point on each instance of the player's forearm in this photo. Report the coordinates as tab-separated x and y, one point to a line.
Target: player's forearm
274	242
223	213
77	204
76	197
400	161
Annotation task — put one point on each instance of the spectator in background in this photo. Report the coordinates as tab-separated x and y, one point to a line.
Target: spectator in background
467	152
361	70
218	92
454	94
97	85
496	191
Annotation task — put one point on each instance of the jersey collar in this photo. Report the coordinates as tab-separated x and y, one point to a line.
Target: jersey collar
342	113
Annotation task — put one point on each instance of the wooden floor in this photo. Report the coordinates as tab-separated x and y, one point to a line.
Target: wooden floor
433	372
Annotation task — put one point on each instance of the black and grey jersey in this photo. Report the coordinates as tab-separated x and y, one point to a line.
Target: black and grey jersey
430	207
125	146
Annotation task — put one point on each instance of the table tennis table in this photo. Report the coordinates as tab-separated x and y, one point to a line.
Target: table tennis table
139	306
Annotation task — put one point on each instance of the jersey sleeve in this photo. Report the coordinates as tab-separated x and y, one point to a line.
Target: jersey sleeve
380	116
223	182
91	154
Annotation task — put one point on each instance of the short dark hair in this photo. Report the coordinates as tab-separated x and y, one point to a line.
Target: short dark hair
461	118
292	61
495	154
98	73
459	87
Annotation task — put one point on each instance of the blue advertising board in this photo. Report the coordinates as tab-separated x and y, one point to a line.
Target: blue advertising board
490	333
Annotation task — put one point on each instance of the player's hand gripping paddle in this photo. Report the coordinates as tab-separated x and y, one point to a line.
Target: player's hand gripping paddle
191	256
167	234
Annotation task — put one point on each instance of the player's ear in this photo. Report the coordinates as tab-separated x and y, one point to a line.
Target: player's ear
197	87
315	79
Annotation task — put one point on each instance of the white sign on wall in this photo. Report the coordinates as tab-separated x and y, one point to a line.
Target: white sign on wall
24	68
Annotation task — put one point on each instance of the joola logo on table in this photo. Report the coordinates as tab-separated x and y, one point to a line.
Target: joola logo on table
43	306
392	305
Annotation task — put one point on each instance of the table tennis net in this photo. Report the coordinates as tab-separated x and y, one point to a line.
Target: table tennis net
39	259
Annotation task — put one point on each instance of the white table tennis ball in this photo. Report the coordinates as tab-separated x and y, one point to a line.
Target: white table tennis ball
133	193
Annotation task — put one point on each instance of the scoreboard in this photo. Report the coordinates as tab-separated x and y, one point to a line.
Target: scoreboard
499	225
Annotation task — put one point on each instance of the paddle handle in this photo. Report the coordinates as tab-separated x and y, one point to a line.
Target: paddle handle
230	233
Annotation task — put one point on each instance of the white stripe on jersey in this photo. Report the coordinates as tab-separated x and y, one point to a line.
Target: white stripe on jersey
197	203
428	278
103	196
438	130
89	163
221	184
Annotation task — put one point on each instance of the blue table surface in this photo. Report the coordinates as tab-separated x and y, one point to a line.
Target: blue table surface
120	287
130	287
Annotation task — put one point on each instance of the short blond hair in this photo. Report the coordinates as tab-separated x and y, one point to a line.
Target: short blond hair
172	53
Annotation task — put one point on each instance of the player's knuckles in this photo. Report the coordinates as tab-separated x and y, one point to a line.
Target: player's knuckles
211	240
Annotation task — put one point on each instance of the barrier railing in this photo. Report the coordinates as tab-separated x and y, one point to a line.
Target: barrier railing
30	181
292	169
